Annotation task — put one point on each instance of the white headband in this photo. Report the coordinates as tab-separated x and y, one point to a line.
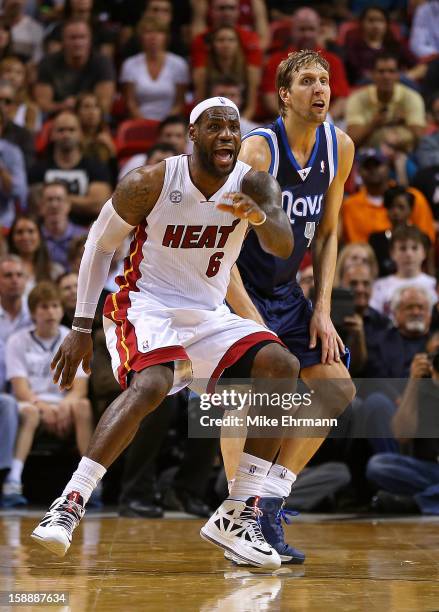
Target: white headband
210	103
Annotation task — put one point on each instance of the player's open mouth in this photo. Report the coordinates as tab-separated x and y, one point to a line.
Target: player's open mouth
223	156
319	104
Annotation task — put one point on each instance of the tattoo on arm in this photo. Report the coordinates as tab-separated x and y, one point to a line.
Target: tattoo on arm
136	194
264	190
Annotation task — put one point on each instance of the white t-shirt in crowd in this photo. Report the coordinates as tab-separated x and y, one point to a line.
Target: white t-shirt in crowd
28	356
384	288
155	96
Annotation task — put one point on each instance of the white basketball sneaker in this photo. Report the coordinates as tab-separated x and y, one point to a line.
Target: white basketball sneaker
235	528
56	529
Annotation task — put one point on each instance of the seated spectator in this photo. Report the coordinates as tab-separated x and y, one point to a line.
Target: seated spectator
26	33
75	69
407	250
154	155
68	289
424	40
361	331
23	111
354	254
227	87
8	433
96	136
363	44
174	131
226	59
41	402
305	32
252	16
56	228
154	81
13	181
427	153
384	103
399	205
408	483
25	239
97	140
391	359
12	132
87	179
5	39
363	212
14	313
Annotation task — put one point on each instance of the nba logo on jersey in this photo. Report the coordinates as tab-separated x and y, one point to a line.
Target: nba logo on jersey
175	196
283	473
252	469
322	166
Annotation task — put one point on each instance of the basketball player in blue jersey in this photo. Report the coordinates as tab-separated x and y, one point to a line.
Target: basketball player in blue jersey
311	160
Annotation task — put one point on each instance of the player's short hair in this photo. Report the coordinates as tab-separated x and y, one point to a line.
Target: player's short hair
45	291
292	64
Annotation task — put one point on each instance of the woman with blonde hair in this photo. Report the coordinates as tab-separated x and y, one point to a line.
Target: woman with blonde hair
353	254
154	82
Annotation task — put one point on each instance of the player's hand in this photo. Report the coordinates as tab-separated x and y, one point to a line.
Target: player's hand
420	366
242	206
322	327
77	347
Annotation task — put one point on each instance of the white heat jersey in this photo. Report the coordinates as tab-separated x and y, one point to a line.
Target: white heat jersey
181	255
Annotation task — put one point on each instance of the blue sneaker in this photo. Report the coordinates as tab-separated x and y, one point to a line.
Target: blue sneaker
271	526
273	514
13	495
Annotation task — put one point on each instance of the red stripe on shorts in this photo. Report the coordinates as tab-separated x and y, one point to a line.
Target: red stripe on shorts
236	351
117	305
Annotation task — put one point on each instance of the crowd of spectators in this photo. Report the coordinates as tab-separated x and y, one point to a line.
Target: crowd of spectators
89	90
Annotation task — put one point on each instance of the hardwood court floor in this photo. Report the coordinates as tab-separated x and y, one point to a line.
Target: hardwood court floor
162	565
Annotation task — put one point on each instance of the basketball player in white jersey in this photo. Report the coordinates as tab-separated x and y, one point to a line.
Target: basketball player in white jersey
168	322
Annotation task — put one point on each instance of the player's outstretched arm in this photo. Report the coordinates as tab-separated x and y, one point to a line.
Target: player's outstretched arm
325	256
132	201
260	202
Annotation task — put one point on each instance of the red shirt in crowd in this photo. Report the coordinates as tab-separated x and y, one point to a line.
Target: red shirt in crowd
339	83
249	43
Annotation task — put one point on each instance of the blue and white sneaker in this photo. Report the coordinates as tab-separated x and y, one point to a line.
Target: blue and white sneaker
235	527
13	495
273	514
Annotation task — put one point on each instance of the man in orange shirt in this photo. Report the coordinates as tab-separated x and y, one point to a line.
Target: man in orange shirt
364	213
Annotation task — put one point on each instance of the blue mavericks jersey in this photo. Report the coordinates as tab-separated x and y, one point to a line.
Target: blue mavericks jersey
303	194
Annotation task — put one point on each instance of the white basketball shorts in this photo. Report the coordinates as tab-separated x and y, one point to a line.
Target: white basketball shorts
201	343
